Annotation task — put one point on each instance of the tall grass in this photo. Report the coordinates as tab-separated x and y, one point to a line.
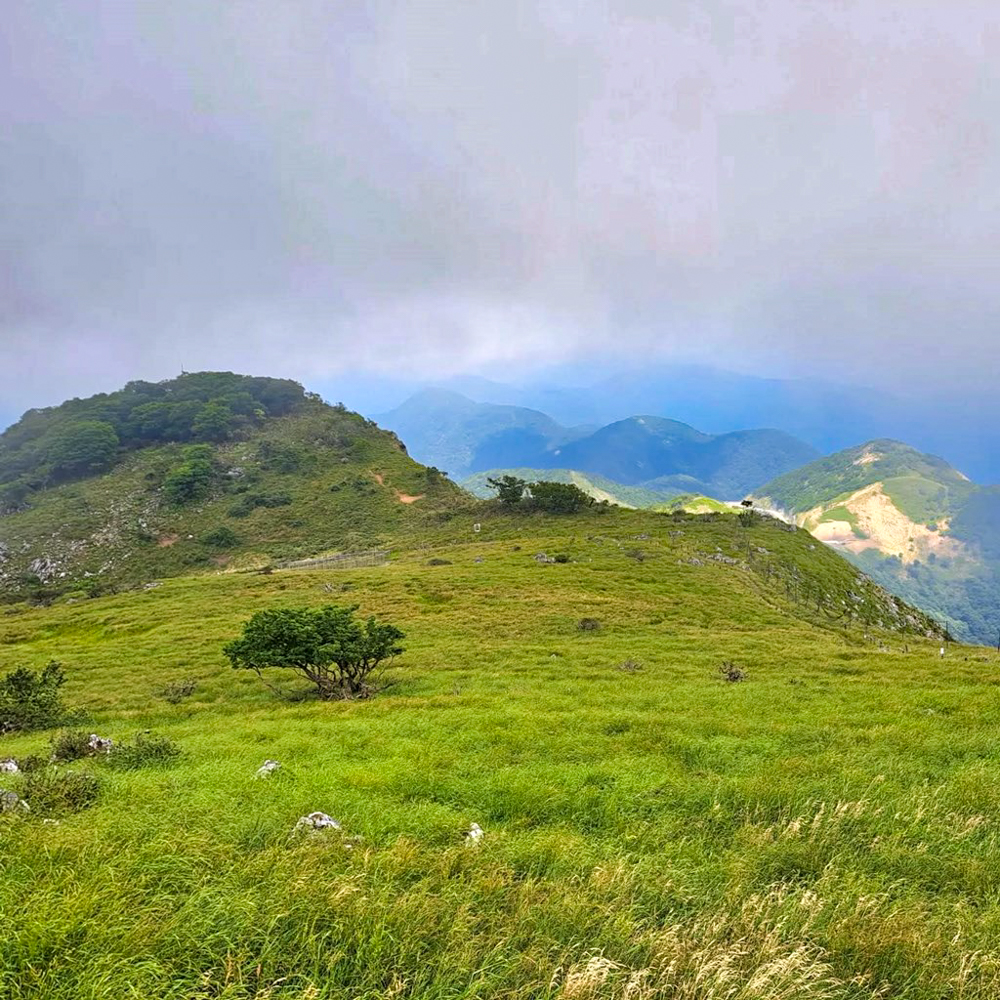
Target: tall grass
824	829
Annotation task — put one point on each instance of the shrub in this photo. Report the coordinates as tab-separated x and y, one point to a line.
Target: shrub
222	537
336	653
33	762
251	501
436	561
72	744
30	699
51	792
148	750
176	691
559	498
589	624
191	480
561	557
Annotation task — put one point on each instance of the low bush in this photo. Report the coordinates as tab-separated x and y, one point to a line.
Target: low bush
50	792
589	625
148	750
438	562
251	501
220	538
30	699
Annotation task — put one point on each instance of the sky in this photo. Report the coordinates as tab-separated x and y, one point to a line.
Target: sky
331	191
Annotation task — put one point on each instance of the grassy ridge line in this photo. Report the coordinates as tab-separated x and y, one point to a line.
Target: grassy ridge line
826	820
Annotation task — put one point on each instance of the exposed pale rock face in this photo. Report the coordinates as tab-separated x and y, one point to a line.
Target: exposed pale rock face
9	766
475	834
267	769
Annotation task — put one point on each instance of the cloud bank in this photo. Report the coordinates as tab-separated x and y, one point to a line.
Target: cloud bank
310	189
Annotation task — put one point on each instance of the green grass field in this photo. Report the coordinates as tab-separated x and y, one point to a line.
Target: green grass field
826	828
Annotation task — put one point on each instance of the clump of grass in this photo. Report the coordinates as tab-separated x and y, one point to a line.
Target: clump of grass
148	750
176	691
731	673
629	666
50	792
589	625
70	745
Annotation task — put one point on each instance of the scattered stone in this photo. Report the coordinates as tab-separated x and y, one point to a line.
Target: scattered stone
99	745
9	766
152	586
315	823
11	802
475	834
541	557
478	559
267	769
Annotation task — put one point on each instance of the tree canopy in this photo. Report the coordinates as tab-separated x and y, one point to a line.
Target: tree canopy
82	437
328	645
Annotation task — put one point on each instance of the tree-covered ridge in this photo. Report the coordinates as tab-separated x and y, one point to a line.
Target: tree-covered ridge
83	437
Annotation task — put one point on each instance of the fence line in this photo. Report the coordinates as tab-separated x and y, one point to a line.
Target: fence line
340	560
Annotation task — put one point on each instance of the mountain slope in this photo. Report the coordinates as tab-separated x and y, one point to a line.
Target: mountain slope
670	457
919	526
310	479
451	432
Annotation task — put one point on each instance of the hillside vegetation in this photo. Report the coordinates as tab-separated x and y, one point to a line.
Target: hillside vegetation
822	828
920	527
296	480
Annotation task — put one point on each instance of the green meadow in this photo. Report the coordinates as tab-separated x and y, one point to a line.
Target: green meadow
824	828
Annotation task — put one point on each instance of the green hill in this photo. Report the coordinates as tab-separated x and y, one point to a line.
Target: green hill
670	457
920	527
283	476
819	825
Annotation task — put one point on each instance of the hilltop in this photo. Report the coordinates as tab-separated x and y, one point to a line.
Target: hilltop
918	525
208	471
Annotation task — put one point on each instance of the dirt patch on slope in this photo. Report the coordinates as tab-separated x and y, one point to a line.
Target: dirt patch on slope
165	541
884	527
406	498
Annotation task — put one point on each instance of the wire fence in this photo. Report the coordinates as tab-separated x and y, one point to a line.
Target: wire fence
339	560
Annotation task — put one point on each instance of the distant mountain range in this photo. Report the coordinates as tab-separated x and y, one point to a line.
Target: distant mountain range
663	457
827	415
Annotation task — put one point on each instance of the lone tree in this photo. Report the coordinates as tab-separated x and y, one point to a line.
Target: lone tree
509	489
337	653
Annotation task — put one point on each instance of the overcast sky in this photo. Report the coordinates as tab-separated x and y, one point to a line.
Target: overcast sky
311	188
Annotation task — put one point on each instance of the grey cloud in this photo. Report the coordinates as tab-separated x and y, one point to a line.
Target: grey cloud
304	188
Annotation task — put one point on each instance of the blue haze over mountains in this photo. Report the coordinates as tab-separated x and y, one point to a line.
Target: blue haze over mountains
829	416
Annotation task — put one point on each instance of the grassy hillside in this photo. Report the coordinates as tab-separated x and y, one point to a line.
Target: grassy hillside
820	830
316	479
913	522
